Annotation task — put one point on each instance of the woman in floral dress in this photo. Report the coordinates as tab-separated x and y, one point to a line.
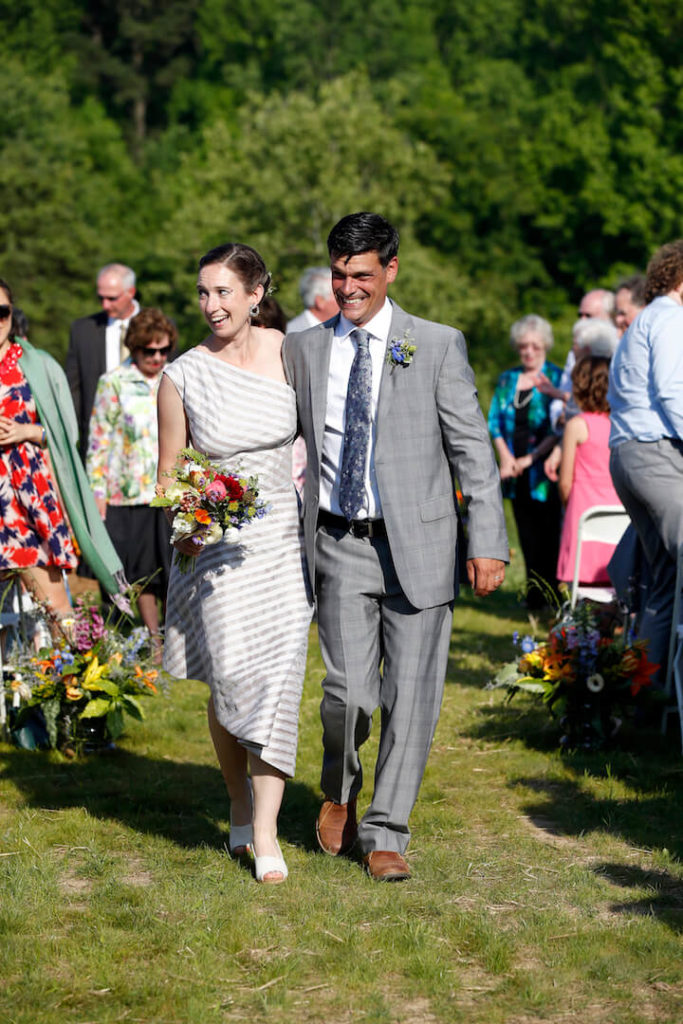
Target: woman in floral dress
41	474
33	532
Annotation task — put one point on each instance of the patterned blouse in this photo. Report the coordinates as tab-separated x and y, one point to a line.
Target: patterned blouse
123	446
502	424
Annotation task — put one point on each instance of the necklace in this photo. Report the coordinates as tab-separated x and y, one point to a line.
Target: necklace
521	403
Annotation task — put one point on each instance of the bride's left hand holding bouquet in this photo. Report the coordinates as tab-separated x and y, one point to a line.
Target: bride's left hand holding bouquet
208	503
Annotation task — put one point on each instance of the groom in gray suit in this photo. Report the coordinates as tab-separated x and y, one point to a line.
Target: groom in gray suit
389	412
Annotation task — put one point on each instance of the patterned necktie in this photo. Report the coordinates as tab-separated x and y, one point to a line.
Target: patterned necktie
357	429
124	351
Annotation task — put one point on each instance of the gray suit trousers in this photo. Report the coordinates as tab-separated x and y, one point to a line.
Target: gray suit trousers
648	477
380	653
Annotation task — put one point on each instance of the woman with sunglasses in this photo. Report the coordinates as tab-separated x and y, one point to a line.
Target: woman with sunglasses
41	475
122	456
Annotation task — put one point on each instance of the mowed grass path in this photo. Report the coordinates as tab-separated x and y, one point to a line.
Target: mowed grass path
545	888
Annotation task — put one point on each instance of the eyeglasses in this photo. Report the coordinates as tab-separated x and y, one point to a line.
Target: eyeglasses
147	350
5	312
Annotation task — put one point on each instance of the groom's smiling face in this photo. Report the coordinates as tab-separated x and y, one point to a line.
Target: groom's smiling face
360	284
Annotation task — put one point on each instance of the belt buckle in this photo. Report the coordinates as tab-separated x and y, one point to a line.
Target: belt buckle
361	528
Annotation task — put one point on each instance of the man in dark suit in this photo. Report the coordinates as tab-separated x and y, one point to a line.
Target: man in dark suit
97	342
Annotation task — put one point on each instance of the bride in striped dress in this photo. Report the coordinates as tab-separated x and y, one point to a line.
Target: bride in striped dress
240	621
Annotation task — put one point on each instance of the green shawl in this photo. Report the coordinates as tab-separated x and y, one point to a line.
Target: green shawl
53	400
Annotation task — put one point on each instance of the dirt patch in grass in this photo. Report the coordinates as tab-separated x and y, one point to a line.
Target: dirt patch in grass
72	885
416	1011
136	874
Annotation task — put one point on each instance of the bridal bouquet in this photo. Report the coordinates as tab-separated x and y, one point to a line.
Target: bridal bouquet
209	504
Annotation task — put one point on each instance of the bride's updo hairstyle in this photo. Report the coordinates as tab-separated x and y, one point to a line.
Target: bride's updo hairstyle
243	261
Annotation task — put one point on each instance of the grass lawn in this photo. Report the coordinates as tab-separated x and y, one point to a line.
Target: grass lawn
546	887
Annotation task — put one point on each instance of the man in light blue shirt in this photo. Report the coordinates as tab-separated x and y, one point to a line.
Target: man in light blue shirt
646	438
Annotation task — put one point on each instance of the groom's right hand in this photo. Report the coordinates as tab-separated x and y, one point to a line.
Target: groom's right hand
485	575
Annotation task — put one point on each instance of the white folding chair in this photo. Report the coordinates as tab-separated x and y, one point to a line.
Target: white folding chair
600	522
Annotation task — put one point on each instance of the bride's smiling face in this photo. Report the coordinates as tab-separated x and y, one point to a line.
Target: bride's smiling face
224	300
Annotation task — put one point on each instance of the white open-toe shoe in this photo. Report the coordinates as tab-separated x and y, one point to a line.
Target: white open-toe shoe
270	866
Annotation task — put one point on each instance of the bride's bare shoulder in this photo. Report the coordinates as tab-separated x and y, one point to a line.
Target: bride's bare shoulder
271	340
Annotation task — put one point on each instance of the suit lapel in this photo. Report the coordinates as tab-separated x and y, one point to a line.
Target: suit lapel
319	364
400	323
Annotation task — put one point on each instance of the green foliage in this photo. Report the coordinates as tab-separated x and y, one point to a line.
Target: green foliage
526	150
64	172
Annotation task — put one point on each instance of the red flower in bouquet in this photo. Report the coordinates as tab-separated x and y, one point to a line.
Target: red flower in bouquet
634	664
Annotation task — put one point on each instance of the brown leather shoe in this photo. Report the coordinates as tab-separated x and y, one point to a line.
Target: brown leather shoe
386	866
336	827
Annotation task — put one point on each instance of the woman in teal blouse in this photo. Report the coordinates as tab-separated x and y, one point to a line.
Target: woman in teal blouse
519	422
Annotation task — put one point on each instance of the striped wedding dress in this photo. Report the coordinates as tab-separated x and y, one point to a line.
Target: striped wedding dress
240	621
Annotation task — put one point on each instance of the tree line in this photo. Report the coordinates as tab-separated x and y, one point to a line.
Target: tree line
526	150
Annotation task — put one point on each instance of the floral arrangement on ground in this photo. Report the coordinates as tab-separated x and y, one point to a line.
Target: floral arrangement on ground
74	695
589	673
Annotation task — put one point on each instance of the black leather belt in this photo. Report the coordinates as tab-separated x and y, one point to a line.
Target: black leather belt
356	527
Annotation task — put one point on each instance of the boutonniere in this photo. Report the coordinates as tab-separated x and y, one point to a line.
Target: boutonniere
401	351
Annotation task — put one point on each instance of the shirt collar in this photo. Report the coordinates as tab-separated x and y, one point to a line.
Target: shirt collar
114	320
378	327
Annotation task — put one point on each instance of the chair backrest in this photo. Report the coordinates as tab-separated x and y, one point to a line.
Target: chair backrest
600	522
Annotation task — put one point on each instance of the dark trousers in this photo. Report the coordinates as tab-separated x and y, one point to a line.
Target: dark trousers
538	526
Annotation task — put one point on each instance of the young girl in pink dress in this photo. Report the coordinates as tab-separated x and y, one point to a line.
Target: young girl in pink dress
585	478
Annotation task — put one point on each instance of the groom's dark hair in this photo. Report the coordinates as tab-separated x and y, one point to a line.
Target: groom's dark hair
363	232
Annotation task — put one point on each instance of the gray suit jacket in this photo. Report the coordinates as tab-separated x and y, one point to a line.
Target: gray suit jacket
430	430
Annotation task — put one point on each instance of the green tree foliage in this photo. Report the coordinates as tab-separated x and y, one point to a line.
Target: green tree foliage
64	178
527	150
293	167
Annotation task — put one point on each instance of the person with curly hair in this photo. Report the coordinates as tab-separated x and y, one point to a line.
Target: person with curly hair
123	450
646	439
584	471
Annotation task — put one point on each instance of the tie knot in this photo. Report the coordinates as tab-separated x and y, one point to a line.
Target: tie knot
362	338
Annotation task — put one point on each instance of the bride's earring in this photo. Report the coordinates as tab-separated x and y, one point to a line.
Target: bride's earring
254	310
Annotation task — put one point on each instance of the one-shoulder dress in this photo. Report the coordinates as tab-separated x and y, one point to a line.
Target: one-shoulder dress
240	620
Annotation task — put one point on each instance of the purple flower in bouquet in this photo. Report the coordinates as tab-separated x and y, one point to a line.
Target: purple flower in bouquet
88	627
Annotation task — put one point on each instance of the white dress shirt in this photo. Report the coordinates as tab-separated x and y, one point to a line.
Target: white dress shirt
341	358
302	322
113	336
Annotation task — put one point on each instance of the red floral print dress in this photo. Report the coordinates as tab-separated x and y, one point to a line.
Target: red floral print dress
33	529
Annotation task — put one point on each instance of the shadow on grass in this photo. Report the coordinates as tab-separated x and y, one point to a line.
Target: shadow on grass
181	801
665	893
524	720
650	818
504	604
